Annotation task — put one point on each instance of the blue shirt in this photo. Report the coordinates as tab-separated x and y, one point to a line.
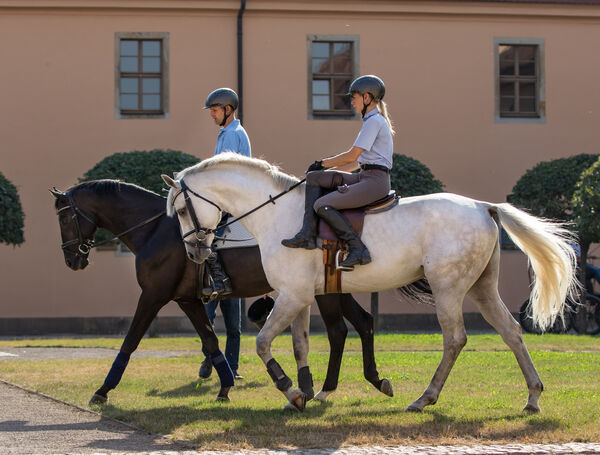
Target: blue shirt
375	138
233	138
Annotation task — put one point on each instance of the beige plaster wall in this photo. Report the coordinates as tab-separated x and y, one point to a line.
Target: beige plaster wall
57	117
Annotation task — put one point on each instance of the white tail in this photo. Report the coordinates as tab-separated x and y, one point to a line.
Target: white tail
548	246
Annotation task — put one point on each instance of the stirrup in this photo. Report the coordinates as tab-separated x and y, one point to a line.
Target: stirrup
343	268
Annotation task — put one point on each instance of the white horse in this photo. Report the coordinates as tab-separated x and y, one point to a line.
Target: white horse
451	240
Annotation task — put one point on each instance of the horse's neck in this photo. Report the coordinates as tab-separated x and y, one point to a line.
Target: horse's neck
119	211
240	192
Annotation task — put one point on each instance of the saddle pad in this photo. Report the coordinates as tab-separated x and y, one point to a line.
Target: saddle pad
356	217
236	236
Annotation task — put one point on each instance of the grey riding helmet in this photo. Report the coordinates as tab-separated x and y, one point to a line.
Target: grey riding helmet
222	97
368	84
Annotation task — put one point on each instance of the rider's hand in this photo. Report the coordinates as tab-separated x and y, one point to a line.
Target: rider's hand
316	166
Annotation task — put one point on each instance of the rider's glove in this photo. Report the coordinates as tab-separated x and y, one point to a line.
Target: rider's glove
316	166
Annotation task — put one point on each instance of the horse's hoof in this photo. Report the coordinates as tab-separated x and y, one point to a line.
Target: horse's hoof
98	399
412	408
290	408
531	409
298	399
223	394
322	396
386	387
222	399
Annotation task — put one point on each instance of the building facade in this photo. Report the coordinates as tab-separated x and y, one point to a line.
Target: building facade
479	91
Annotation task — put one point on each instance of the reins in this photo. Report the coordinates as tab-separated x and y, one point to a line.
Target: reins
202	233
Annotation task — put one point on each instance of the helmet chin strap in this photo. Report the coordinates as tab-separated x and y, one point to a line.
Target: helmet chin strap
226	116
365	106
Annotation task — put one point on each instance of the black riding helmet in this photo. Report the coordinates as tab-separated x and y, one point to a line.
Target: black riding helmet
222	97
370	84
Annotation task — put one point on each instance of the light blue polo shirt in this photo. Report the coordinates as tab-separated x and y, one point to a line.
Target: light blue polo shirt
375	138
233	138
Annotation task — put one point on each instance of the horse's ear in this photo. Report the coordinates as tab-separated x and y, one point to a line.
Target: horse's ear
56	193
169	181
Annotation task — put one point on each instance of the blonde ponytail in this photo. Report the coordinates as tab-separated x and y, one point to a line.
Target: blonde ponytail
383	111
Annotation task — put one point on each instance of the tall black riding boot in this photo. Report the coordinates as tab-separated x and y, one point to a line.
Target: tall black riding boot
358	253
307	237
221	285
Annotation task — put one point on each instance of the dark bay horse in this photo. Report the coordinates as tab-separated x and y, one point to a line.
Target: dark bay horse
164	273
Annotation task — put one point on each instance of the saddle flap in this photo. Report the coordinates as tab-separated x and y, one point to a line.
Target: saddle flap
234	236
356	217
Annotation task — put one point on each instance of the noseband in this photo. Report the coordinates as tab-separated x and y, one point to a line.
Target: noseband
83	245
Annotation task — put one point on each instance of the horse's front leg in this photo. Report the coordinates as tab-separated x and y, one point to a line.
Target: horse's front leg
363	323
300	330
287	307
147	309
196	312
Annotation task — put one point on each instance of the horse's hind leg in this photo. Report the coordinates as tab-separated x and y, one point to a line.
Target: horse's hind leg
363	323
330	307
485	294
196	312
450	318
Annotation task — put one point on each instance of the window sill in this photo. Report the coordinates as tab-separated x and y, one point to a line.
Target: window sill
332	116
524	120
120	115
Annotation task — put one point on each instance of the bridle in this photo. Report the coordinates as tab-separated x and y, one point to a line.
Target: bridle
201	233
84	246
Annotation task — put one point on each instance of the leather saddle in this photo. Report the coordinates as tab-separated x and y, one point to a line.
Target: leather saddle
334	248
356	216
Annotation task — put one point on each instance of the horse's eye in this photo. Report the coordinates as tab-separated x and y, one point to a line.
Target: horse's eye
64	220
181	211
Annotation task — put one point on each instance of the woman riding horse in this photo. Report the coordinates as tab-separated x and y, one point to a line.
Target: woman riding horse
372	153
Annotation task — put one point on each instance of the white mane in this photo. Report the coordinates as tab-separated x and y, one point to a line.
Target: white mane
281	179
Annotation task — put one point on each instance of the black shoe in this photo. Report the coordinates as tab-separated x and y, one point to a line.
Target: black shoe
205	369
236	375
221	284
358	254
307	237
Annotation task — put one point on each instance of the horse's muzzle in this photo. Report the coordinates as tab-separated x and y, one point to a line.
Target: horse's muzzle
197	254
77	262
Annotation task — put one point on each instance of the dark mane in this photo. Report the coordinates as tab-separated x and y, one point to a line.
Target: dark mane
108	186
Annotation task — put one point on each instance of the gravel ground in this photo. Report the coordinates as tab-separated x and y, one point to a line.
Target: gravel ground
34	424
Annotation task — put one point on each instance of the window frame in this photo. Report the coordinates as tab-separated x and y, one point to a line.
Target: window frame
163	37
355	40
540	116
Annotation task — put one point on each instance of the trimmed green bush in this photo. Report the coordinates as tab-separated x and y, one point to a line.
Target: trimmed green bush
11	213
412	178
547	189
141	167
586	204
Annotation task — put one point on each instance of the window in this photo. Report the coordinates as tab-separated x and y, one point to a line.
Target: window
141	75
519	80
333	63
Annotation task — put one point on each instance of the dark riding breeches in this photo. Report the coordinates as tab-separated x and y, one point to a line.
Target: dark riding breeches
353	190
